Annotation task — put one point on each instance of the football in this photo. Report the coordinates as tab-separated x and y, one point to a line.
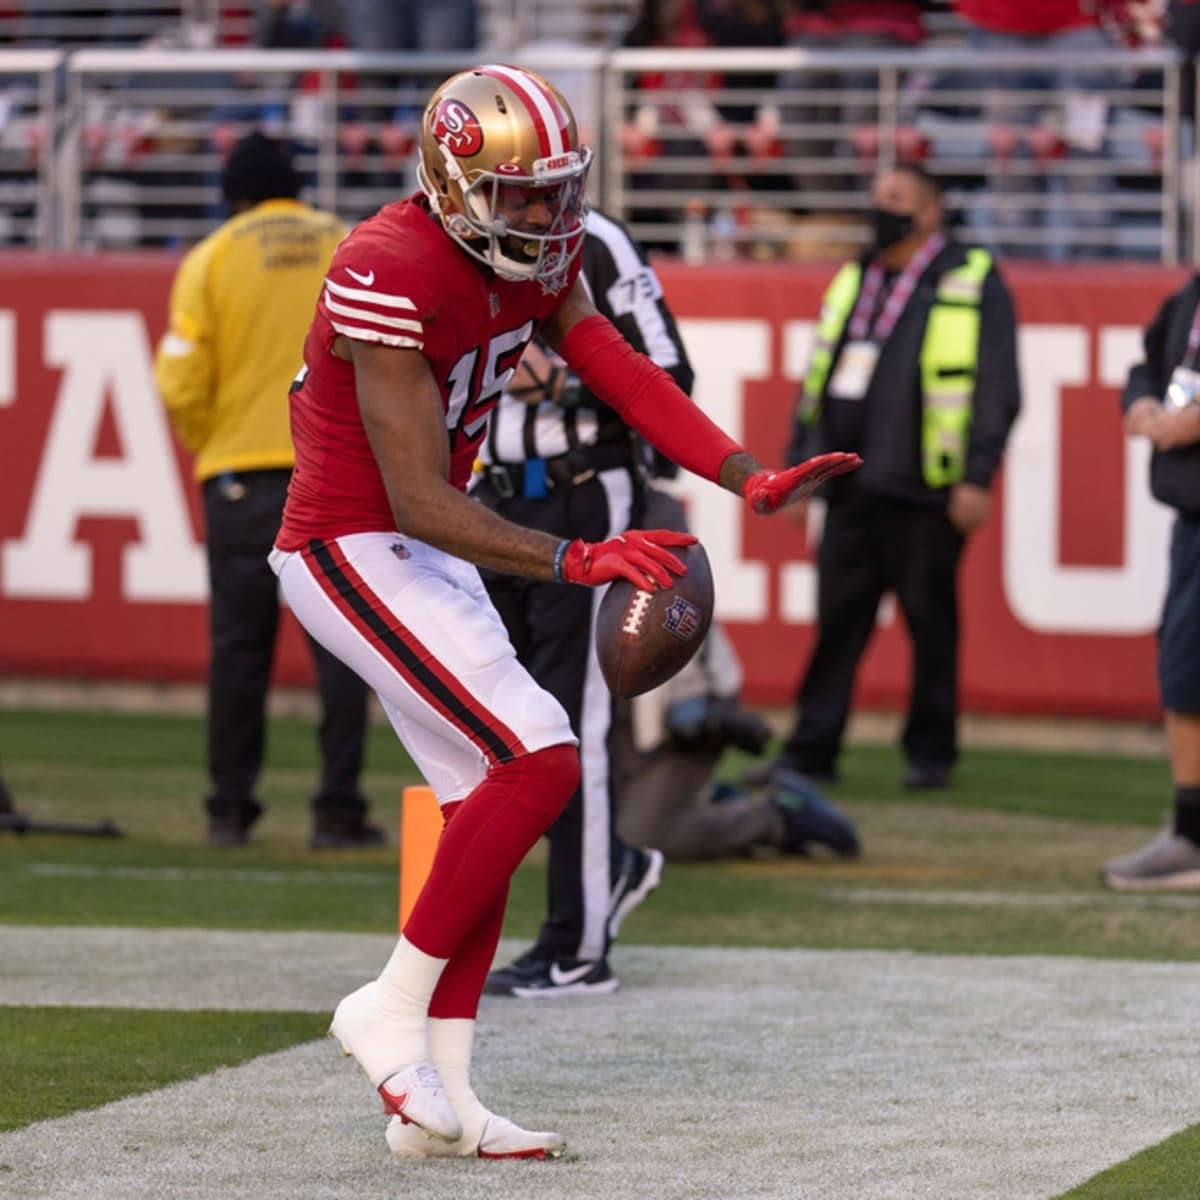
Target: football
643	638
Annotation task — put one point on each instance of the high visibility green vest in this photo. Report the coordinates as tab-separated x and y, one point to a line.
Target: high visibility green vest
949	361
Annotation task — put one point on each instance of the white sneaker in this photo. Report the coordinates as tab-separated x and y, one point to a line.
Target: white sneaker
500	1139
1170	862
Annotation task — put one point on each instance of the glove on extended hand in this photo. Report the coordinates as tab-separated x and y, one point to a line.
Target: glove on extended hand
639	555
769	491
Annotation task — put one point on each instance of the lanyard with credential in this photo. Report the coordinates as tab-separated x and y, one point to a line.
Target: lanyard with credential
898	297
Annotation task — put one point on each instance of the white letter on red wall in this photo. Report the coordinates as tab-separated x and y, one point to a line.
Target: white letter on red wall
725	354
105	354
1045	595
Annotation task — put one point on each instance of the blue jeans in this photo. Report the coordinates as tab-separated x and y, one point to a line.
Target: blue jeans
1069	202
411	24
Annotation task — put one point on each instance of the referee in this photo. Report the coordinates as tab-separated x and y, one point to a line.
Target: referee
560	460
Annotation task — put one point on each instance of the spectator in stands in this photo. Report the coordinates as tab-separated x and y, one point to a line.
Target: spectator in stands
915	367
240	306
733	141
666	746
299	25
434	26
33	23
1038	117
1182	27
857	24
377	140
854	121
1160	404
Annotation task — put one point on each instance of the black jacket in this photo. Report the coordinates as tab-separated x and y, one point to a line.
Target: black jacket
1174	474
885	426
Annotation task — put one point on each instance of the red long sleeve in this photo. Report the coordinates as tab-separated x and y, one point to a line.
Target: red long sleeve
646	397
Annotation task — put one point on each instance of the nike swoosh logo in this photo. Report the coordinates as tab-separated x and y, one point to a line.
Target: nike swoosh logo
561	978
393	1103
366	280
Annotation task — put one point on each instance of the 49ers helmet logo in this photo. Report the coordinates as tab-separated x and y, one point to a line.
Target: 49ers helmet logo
457	128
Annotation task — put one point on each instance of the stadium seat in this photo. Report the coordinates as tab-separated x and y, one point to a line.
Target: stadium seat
354	138
1047	145
396	140
1003	141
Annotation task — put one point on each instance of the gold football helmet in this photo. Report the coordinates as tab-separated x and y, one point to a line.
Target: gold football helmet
503	169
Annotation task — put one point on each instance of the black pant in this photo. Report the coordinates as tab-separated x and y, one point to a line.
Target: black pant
243	514
551	626
872	545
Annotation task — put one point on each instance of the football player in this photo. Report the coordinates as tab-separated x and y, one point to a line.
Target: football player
426	310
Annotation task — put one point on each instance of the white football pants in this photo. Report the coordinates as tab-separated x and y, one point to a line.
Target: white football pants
417	625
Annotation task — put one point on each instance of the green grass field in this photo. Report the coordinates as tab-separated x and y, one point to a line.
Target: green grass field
1006	863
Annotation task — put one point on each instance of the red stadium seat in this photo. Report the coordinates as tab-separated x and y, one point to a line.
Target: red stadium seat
396	141
1003	141
637	145
1155	139
912	146
353	139
866	142
1047	145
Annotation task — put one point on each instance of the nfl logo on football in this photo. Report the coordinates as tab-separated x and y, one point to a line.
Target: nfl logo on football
682	619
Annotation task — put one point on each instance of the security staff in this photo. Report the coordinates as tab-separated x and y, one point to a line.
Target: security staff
558	459
241	304
915	368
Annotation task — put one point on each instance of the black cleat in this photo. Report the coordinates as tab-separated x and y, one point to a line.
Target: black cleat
809	817
641	872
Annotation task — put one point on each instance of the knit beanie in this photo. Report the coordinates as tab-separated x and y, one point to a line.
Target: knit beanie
259	168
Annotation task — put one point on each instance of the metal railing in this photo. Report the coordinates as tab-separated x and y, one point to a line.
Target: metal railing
28	129
727	153
1085	168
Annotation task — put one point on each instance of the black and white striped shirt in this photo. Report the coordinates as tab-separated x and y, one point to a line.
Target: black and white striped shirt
624	288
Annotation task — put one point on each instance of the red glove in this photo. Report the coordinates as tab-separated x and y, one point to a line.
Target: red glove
639	555
769	491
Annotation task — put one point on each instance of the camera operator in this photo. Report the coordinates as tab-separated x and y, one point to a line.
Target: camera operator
666	747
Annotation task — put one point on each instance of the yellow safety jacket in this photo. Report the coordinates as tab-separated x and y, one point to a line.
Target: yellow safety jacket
949	360
241	304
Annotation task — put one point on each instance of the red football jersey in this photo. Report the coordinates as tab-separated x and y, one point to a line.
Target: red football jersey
399	279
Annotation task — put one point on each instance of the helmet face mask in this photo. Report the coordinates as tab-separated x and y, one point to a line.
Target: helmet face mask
503	169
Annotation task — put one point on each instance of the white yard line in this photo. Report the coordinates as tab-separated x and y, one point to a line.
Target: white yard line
951	899
848	895
768	1075
210	874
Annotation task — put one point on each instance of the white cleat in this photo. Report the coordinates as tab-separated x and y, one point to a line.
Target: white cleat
500	1139
414	1096
366	1030
411	1091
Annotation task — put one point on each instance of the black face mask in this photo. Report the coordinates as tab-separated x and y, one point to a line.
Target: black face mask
890	227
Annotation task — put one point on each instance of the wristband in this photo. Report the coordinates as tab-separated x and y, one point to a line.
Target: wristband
560	552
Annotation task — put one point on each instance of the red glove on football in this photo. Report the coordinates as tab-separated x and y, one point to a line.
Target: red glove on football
769	491
639	555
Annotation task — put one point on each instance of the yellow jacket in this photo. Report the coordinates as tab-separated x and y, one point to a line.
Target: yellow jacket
241	304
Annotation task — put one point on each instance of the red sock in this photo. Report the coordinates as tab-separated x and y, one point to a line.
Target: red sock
492	831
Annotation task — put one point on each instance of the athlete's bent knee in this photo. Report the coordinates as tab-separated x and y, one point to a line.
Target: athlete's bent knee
552	776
